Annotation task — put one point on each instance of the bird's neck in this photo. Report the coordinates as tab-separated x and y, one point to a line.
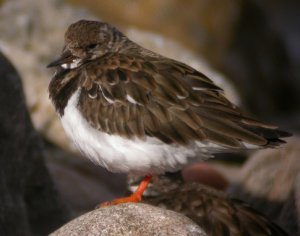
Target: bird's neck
61	88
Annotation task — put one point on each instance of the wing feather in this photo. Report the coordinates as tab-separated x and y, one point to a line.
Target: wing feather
132	96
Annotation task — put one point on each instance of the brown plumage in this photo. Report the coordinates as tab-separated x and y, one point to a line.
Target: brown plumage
132	92
215	212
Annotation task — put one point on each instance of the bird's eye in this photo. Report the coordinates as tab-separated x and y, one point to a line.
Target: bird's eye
92	46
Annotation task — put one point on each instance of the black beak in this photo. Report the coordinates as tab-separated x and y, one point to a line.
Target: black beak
66	57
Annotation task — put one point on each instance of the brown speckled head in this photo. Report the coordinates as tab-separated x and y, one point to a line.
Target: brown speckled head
85	37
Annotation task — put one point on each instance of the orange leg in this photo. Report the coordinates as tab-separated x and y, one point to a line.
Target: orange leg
134	197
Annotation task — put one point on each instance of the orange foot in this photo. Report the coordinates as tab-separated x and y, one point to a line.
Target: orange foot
135	197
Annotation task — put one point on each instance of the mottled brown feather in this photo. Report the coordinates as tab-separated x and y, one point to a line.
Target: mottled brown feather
150	95
216	213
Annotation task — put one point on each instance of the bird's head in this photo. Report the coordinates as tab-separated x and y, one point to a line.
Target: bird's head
87	40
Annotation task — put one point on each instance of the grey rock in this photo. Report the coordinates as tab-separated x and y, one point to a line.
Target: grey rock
272	173
269	183
29	203
131	219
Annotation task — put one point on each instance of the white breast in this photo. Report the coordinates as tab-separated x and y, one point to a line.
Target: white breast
119	154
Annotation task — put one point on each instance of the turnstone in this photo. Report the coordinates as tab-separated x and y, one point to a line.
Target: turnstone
132	110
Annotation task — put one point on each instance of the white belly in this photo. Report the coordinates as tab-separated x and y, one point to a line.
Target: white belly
118	154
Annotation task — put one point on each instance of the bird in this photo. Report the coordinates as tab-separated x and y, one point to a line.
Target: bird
135	111
213	210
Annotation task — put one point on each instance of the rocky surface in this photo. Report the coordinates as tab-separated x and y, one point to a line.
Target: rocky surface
29	202
276	171
269	182
130	219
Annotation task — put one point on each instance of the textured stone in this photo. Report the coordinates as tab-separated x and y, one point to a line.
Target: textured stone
130	219
268	182
275	171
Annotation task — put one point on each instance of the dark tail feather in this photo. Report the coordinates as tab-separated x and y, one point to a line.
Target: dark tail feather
274	136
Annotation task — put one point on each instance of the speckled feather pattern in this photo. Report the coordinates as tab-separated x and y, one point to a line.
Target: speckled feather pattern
215	212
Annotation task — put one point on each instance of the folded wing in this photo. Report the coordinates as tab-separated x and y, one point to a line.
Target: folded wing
150	96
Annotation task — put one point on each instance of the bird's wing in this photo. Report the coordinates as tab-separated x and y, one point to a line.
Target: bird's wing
135	96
